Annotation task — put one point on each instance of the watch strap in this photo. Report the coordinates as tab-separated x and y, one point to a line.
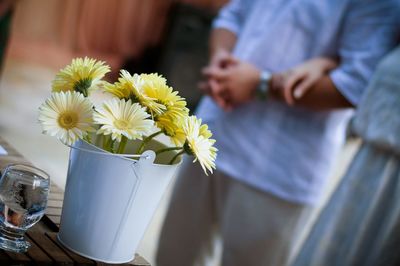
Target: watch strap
263	86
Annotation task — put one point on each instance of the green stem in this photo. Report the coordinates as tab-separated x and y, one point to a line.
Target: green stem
112	146
87	138
107	143
146	140
176	156
122	145
169	149
83	86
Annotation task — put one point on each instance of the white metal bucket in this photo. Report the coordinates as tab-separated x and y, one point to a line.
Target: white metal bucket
109	201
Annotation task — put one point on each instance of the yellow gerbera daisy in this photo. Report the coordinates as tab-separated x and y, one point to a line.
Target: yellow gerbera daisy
119	117
82	75
131	87
155	86
198	144
120	90
172	128
205	132
67	116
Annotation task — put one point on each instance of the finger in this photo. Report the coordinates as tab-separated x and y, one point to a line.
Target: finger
216	73
217	92
222	102
220	89
215	86
287	95
228	61
303	87
205	71
218	99
231	60
219	58
222	95
291	78
226	95
227	102
289	85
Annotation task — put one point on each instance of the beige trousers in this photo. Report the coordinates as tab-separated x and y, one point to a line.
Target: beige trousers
256	228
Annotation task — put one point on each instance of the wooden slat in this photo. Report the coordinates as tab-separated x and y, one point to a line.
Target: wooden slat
37	254
54	203
53	211
56	196
48	223
51	249
18	256
3	257
78	259
54	219
55	189
139	261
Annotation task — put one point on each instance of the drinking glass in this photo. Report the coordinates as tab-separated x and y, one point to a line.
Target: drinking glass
24	191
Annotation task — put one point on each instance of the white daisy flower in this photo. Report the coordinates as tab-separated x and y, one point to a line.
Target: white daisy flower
199	144
132	87
82	75
119	117
67	116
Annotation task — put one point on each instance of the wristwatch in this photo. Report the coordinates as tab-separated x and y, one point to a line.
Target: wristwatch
264	84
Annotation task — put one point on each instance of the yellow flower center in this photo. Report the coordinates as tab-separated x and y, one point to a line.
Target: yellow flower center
68	120
121	124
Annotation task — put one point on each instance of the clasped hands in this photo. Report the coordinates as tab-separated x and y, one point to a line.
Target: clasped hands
232	82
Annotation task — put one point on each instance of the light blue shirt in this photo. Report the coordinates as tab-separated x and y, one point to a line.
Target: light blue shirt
288	151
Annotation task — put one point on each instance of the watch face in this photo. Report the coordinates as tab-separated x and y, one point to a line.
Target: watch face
265	76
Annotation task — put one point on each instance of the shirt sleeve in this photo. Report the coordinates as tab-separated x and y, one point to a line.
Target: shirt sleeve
231	16
369	31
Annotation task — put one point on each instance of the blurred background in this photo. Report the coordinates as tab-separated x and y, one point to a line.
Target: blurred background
38	37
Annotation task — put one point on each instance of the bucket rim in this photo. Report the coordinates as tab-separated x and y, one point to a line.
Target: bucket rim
99	150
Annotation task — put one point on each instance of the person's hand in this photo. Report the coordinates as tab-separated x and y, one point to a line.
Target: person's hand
235	84
220	60
295	83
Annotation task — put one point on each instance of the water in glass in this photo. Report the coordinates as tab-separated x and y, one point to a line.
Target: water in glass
23	200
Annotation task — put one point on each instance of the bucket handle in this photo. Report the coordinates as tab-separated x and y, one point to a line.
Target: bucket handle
138	156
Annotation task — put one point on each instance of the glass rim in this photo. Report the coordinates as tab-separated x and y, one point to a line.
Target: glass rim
37	171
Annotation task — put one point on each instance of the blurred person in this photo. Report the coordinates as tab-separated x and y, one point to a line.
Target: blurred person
360	224
274	154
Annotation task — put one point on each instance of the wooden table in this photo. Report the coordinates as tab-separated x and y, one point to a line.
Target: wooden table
45	249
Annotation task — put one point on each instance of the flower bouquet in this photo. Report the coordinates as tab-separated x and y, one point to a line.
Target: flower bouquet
117	170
